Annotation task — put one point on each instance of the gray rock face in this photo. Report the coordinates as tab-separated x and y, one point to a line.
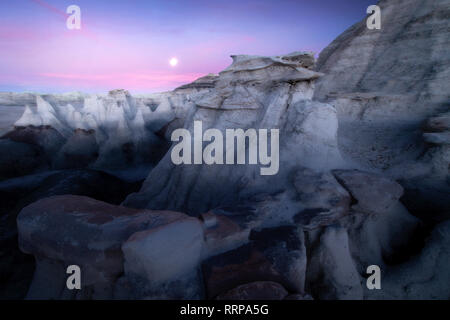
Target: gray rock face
410	47
386	83
390	88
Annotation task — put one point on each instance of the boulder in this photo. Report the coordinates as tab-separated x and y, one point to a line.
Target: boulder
372	193
73	230
19	192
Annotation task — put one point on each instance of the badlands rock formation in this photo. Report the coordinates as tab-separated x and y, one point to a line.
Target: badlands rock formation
17	268
254	92
363	177
110	131
91	236
392	86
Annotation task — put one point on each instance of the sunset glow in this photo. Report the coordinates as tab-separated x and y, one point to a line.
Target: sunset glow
129	44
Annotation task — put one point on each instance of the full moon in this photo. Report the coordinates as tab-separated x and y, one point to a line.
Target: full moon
173	62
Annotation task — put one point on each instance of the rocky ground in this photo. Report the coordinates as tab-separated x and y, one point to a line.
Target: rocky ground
363	180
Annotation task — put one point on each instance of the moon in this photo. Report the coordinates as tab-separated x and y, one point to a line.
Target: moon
173	62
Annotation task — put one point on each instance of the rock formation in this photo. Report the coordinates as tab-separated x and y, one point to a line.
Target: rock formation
91	234
362	180
254	92
392	87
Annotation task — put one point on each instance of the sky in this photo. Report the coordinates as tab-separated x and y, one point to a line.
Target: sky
129	43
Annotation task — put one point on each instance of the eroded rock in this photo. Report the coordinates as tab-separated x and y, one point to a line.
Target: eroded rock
65	230
331	273
253	93
373	193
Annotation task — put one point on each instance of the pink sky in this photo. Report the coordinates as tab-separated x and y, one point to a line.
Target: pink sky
128	44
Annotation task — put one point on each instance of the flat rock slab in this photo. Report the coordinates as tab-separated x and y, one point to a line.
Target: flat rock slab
373	193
